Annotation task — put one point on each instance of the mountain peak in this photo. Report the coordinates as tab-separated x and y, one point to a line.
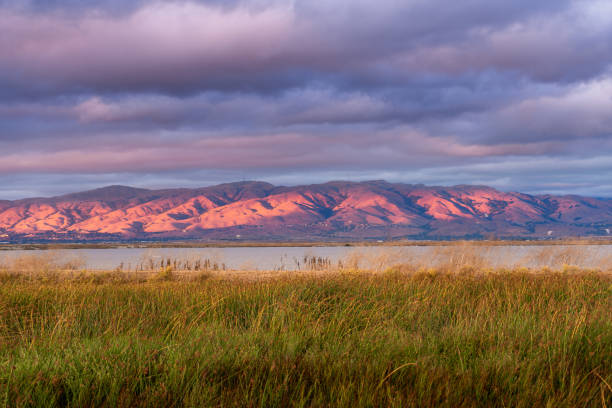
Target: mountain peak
107	192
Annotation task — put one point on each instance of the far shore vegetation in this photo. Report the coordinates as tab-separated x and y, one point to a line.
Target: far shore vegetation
322	243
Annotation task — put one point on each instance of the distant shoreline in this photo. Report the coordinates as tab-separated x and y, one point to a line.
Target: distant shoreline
254	244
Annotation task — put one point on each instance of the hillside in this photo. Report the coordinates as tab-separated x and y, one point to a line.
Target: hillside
335	210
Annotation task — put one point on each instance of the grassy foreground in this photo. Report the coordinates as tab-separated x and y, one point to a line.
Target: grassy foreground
427	339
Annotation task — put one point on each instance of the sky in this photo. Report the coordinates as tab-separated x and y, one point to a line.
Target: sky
512	94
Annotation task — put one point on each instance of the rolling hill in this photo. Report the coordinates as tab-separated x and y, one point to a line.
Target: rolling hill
331	211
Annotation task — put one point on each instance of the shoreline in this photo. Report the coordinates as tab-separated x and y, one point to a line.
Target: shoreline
303	244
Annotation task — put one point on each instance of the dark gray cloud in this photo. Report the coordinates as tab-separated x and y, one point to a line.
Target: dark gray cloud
287	45
417	91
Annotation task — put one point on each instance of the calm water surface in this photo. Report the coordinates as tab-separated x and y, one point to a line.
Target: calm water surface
292	258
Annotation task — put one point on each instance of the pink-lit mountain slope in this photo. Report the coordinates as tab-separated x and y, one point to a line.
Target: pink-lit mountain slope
335	210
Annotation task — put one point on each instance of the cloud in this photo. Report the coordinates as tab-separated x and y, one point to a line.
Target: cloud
162	46
305	89
574	113
186	47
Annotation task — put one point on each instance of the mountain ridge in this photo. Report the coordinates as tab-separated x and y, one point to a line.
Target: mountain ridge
336	210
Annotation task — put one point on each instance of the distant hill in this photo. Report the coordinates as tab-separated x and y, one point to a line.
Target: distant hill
332	211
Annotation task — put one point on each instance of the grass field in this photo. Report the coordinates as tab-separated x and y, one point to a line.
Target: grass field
458	335
513	339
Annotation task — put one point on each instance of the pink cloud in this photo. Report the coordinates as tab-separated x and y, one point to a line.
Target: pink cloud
150	43
283	150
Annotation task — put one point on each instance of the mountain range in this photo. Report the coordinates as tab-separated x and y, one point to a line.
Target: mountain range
332	211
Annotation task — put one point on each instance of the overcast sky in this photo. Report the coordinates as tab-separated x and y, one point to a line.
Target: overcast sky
513	94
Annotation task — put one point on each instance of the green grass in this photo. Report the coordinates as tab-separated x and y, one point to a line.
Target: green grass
513	340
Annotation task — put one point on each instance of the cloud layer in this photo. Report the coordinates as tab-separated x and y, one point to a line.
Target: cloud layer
513	94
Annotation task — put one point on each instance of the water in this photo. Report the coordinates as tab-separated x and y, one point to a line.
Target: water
292	258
